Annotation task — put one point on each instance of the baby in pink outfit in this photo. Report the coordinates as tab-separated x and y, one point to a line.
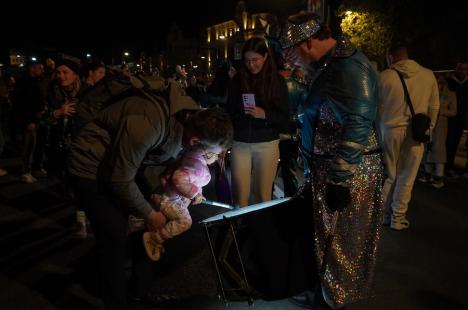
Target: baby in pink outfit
182	186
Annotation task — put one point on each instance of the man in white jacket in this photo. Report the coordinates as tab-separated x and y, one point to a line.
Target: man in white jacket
402	154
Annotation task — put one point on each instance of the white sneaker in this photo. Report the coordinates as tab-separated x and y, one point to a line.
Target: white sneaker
3	172
399	224
28	178
438	184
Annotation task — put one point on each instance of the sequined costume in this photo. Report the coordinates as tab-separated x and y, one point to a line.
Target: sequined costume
340	143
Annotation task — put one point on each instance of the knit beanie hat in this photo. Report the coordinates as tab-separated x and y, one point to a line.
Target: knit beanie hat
73	65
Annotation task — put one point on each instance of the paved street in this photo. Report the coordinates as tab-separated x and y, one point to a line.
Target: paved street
44	268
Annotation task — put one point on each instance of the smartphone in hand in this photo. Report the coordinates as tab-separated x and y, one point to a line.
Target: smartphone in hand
248	100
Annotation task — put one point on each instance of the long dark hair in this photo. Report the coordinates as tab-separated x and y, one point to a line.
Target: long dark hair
267	79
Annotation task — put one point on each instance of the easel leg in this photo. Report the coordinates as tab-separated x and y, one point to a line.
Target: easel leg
216	265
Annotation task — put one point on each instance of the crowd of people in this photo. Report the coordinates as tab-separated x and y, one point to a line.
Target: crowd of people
96	129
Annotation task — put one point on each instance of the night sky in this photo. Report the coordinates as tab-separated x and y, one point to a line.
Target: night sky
100	25
119	23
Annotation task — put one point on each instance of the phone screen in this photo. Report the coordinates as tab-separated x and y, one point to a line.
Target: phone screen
249	100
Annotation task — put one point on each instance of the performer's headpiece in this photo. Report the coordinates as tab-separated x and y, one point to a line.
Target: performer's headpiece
295	33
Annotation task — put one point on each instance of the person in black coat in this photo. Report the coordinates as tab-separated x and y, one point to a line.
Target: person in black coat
28	103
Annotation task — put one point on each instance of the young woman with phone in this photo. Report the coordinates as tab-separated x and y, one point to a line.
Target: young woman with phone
257	103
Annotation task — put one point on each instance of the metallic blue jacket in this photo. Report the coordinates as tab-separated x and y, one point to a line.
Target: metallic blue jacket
347	85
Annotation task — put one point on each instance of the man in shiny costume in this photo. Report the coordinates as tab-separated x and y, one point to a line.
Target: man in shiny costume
346	172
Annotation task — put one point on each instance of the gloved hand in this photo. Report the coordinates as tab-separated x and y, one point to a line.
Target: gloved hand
338	197
304	192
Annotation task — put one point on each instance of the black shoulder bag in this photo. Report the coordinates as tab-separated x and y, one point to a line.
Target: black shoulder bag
420	122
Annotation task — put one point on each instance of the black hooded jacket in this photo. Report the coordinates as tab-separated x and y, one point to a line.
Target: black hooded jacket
252	130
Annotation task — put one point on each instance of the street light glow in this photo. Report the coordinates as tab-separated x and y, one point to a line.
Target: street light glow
88	55
202	57
222	37
126	53
33	58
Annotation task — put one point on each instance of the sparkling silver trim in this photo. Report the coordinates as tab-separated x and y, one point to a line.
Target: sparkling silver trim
296	33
